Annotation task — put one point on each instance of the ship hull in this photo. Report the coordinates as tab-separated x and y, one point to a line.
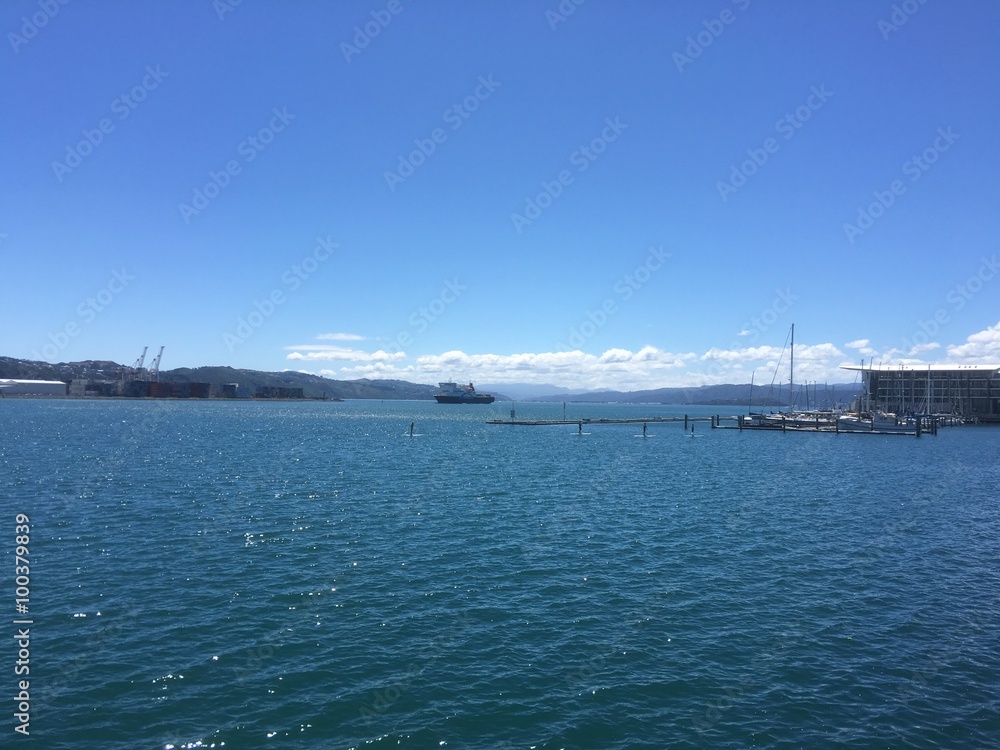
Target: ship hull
478	399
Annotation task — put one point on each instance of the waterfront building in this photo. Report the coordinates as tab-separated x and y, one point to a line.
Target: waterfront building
969	391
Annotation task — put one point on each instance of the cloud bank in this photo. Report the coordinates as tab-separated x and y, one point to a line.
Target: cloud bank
622	369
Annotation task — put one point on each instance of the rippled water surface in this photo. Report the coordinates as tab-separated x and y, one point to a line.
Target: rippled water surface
251	575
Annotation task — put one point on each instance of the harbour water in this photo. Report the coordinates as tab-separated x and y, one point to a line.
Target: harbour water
248	575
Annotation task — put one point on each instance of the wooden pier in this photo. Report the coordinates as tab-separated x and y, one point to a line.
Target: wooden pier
625	420
924	426
797	425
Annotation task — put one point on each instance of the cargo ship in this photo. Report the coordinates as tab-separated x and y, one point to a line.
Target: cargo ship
452	393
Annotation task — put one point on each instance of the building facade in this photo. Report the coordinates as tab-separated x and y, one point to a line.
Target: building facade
970	391
33	388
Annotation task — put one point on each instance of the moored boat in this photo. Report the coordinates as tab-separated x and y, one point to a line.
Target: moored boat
877	422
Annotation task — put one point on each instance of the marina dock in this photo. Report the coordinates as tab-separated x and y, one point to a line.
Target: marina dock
625	420
915	427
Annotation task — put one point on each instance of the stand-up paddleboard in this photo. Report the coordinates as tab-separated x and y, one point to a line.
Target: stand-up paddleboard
411	433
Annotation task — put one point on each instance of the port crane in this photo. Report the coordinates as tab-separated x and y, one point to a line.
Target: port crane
154	368
138	371
137	367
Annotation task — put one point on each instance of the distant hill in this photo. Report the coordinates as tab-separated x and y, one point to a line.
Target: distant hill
721	395
527	391
313	386
26	369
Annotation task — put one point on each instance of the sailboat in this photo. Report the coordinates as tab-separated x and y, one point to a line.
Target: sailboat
791	419
827	420
777	421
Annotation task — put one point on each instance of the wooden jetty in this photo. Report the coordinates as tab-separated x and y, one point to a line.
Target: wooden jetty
624	420
927	425
924	426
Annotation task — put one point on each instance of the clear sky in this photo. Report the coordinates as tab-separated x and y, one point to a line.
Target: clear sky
590	194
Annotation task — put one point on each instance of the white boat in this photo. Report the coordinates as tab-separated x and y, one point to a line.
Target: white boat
815	420
790	420
877	422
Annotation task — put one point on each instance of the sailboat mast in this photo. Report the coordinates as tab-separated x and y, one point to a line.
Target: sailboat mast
863	396
928	390
791	374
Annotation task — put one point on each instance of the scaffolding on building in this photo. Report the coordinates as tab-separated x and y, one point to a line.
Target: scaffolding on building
968	391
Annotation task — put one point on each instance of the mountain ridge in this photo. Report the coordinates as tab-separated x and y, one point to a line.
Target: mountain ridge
317	386
313	386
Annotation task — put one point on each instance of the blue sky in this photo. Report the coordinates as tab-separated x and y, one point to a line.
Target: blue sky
600	194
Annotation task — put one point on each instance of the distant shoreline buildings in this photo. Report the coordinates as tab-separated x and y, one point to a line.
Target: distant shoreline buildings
81	388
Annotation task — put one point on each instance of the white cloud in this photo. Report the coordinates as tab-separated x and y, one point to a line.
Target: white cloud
815	363
372	371
979	348
315	348
747	354
817	353
928	347
323	353
615	368
340	337
862	347
620	369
